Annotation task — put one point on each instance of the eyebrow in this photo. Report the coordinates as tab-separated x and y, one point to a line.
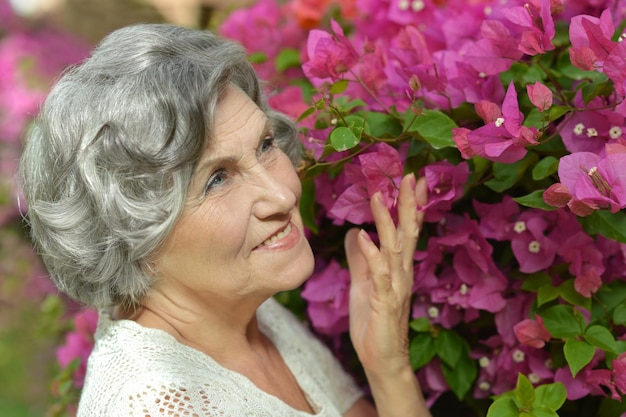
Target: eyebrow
231	159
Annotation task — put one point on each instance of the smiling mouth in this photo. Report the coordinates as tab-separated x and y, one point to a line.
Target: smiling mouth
277	236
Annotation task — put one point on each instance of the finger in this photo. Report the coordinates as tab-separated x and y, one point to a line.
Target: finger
377	265
357	264
408	225
365	261
421	195
390	245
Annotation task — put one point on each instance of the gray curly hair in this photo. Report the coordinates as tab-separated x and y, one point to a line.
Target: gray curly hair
107	164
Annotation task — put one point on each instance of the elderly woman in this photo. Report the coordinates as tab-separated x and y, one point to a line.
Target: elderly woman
162	191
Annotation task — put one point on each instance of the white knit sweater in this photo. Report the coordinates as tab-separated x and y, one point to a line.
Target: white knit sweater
138	371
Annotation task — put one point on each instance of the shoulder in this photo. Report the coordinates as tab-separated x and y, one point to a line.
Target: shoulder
132	366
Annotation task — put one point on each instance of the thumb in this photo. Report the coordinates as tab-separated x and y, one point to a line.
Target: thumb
356	261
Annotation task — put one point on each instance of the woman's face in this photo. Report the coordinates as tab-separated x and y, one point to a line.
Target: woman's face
241	233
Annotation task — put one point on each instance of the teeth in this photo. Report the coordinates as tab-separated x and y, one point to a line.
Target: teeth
278	235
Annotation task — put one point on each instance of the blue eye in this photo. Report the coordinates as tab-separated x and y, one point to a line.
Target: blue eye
217	179
267	144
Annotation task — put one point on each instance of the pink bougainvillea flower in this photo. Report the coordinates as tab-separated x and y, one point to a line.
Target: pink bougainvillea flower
619	372
329	56
472	262
534	20
497	221
79	343
531	244
503	140
615	67
445	183
379	170
309	13
540	96
557	195
585	259
590	131
591	39
532	333
266	27
328	295
593	181
501	363
495	51
603	378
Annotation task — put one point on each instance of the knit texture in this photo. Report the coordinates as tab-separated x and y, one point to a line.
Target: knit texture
139	371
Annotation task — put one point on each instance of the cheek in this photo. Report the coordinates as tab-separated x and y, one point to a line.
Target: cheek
288	174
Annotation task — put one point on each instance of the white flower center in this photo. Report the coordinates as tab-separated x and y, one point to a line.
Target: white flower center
484	362
403	5
518	356
433	312
417	5
534	247
592	133
499	121
484	386
532	377
520	226
579	129
615	132
464	289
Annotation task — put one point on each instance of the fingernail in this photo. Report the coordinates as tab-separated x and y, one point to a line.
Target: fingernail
365	235
412	180
378	196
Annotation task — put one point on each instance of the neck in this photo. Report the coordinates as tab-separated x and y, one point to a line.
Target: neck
224	329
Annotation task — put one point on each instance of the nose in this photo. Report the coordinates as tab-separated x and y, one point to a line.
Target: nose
277	192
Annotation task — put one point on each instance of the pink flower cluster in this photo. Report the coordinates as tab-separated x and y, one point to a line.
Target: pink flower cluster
463	58
79	343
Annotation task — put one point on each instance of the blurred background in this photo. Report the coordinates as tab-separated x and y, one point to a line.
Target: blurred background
38	38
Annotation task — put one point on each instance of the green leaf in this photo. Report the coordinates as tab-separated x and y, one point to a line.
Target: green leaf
460	378
507	175
547	293
535	281
339	86
434	126
287	58
600	336
421	324
307	205
257	57
449	347
546	167
550	396
544	412
345	104
503	407
619	315
611	225
561	321
342	138
383	125
421	350
568	293
306	113
578	353
558	111
356	124
534	200
525	392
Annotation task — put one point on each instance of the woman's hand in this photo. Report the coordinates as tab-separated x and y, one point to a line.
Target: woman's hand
380	297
